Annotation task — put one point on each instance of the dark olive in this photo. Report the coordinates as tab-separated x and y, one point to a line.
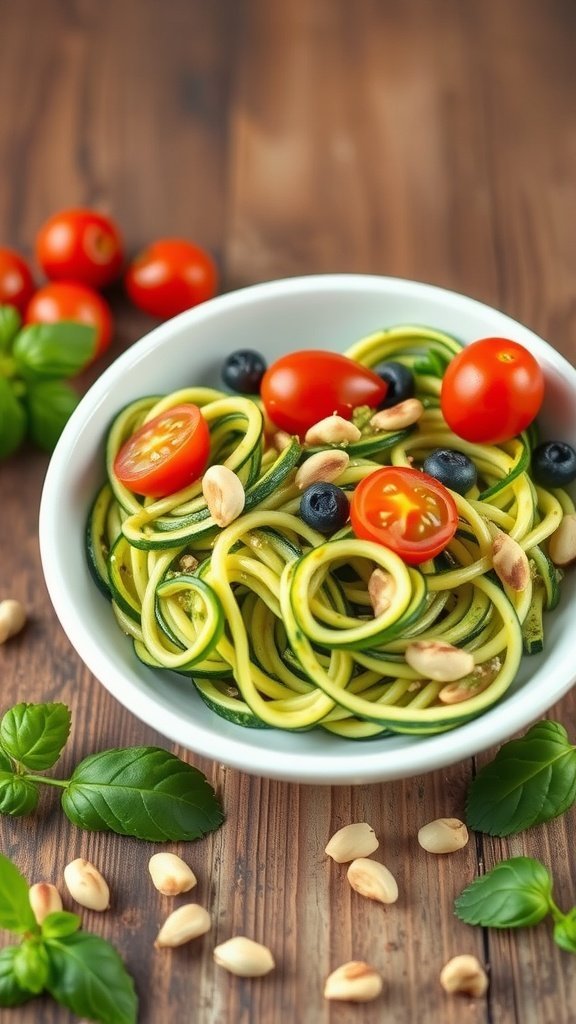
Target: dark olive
243	371
324	507
400	383
452	468
554	464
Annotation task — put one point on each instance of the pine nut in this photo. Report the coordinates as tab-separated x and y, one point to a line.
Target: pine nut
562	543
437	660
355	982
404	414
86	885
170	874
182	925
510	562
444	835
332	430
322	466
373	880
224	494
381	590
351	842
12	618
244	957
464	974
281	440
44	899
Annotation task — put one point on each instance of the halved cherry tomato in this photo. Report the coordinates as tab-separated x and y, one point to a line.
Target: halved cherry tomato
69	300
303	387
16	283
169	276
80	245
491	391
405	510
165	454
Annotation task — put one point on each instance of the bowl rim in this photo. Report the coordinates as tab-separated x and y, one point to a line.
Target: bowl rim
427	753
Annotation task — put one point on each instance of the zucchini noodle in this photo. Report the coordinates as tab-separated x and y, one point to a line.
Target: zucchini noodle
273	622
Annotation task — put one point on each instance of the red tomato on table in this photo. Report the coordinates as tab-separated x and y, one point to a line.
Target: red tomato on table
16	282
166	453
80	245
69	300
169	276
405	510
491	391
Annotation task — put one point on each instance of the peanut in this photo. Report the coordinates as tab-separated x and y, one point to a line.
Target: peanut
444	835
351	842
12	618
381	589
322	466
562	543
224	494
355	981
244	957
44	899
182	925
510	562
332	430
404	414
438	660
373	880
86	885
170	874
464	974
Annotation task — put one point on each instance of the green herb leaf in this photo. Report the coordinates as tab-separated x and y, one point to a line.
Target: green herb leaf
30	965
12	420
59	924
18	796
11	993
515	893
34	734
54	350
15	910
50	404
565	931
87	975
531	780
10	321
144	792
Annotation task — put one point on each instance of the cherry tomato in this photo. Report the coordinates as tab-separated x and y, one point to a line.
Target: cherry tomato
16	283
69	300
405	510
80	245
303	387
491	391
165	454
169	276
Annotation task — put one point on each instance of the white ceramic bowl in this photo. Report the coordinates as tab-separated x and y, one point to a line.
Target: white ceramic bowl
331	312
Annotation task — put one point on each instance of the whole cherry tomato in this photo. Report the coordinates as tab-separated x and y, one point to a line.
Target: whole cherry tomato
16	283
80	245
169	276
303	387
405	510
69	300
166	453
491	391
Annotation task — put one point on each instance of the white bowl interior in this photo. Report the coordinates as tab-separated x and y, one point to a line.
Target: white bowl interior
329	311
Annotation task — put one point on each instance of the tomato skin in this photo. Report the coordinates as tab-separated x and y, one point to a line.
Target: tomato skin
169	276
69	300
80	245
303	387
491	391
165	454
16	281
388	507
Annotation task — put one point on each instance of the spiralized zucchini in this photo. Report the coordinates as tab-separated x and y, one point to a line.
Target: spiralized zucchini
273	622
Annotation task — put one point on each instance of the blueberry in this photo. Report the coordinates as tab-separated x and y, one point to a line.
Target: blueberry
554	464
243	371
400	383
324	507
452	468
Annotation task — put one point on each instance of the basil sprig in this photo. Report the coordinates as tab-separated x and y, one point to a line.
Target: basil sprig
516	893
145	792
80	971
530	781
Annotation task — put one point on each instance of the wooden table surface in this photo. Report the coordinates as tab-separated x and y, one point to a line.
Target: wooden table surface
434	141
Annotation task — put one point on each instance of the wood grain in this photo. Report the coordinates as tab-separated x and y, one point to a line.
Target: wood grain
432	141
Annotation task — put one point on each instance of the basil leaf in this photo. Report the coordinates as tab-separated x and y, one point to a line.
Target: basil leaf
531	780
11	993
565	932
515	893
18	796
12	420
30	966
5	763
50	404
60	923
10	321
144	792
34	734
15	910
87	975
54	350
